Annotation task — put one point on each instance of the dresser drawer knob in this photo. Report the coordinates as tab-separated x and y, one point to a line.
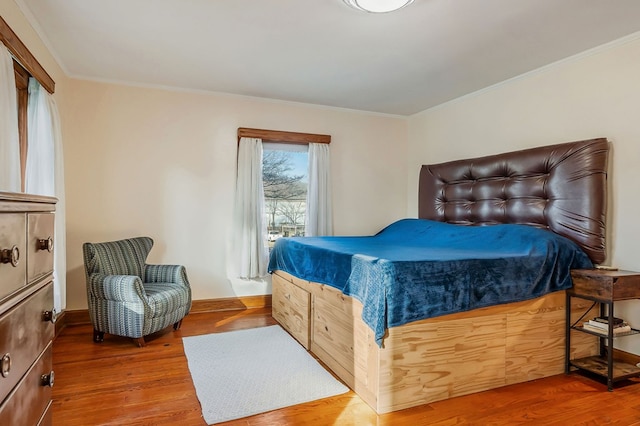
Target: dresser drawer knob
50	316
5	365
47	379
45	244
11	255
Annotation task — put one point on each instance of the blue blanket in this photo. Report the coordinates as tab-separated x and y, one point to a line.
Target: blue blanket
416	269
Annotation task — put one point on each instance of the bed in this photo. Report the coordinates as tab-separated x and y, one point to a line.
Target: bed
355	307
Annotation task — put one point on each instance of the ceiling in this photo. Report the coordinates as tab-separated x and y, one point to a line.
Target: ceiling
321	51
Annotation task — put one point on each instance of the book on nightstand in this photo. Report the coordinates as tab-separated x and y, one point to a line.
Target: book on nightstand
601	325
605	320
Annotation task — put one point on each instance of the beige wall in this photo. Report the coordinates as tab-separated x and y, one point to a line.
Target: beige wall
593	95
162	163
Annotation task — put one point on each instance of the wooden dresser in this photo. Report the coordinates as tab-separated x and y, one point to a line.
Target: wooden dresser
27	315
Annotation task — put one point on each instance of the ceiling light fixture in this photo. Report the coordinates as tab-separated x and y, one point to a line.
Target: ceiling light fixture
378	6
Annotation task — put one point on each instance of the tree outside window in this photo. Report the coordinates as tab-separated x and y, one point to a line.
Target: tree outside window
284	175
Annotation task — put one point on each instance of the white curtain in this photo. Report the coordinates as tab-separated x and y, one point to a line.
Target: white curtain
318	220
250	253
45	174
9	142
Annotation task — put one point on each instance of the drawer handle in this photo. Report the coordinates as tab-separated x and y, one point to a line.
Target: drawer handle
45	244
47	379
5	365
50	316
11	255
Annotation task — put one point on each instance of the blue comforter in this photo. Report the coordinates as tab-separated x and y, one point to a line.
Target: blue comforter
416	269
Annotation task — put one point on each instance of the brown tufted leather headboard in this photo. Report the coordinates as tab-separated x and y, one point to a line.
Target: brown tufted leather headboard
559	187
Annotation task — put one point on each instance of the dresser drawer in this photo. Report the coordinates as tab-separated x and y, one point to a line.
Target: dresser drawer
13	251
291	307
23	335
47	417
40	245
27	403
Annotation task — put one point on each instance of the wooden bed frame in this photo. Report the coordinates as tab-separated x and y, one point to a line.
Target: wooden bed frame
467	352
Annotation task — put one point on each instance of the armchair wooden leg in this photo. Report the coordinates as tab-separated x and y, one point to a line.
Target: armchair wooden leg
177	325
140	342
98	336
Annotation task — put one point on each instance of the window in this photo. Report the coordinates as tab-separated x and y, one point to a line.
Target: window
298	204
285	181
25	66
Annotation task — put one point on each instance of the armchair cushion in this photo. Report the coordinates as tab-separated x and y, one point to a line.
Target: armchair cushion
124	257
164	298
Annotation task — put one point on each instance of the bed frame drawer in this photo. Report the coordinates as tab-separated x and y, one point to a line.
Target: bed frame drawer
332	329
291	307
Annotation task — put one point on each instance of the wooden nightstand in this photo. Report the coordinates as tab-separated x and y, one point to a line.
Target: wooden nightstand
604	287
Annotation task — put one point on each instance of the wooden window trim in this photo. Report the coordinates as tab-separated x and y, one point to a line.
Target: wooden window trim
24	57
282	136
22	93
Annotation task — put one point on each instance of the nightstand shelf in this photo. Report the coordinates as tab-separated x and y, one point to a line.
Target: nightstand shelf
615	336
603	287
599	365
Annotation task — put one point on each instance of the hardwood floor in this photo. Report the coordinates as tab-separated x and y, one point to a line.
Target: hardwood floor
117	383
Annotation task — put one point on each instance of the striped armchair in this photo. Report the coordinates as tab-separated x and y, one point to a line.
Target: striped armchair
129	298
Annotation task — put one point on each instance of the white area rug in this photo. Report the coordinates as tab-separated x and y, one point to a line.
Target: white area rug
246	372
